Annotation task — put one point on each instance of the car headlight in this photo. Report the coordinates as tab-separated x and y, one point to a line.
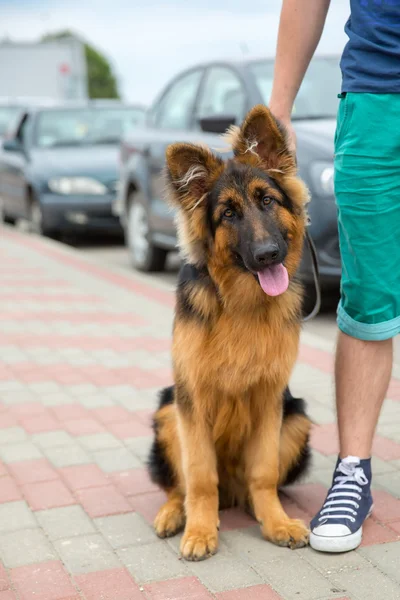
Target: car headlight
77	185
322	178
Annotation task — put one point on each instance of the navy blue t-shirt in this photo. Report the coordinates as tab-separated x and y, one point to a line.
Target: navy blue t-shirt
371	58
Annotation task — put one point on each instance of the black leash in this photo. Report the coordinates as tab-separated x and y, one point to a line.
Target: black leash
317	284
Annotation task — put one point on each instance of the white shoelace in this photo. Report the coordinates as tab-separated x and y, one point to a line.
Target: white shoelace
346	486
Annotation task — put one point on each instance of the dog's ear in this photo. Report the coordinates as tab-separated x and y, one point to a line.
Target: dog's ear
191	171
261	136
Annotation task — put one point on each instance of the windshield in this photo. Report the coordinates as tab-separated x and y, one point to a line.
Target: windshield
76	127
317	96
8	116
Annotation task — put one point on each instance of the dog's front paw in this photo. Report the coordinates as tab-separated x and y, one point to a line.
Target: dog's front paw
199	544
290	532
169	520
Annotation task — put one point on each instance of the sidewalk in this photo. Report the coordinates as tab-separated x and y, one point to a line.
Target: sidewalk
83	353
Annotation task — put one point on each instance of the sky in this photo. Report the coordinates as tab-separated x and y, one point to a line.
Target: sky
149	41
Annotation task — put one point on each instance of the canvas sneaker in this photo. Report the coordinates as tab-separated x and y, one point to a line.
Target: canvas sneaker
338	525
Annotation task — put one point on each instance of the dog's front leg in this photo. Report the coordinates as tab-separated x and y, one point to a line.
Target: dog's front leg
262	473
200	538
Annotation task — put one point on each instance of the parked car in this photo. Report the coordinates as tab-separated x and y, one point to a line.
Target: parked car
59	170
198	105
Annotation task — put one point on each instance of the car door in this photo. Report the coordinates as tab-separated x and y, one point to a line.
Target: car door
172	118
223	94
12	172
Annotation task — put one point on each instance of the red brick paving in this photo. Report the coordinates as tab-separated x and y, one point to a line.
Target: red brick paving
8	595
324	438
43	581
309	497
133	482
48	316
257	592
386	508
234	518
131	428
80	477
7	420
69	412
9	492
103	501
115	493
187	588
111	414
375	533
4	582
115	584
39	423
148	505
47	494
31	471
83	426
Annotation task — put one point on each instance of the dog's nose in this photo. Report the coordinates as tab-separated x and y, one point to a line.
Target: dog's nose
266	254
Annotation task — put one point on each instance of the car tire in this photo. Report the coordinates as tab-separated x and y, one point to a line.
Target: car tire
144	255
4	218
36	220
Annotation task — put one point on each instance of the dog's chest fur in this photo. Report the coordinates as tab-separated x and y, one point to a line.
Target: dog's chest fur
231	345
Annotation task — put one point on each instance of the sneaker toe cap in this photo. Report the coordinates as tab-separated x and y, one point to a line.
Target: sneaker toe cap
331	530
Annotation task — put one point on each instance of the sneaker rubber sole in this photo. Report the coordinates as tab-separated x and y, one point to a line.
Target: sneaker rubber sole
343	543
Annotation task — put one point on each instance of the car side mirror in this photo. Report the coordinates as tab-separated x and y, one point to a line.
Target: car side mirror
12	145
217	123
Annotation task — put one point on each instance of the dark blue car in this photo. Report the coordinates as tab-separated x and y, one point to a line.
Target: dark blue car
59	171
197	106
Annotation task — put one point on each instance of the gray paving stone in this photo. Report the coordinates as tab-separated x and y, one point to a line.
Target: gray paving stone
153	562
365	584
386	557
329	563
140	446
20	451
52	439
99	441
96	401
118	459
12	435
274	563
87	553
391	482
125	530
15	516
65	522
66	456
31	546
380	466
225	572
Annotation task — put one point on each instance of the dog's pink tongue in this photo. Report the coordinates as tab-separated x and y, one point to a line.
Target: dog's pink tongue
274	280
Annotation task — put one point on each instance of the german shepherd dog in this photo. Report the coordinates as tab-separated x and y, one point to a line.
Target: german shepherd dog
229	432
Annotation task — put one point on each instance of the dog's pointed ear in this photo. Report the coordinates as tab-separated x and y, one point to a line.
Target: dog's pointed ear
191	170
262	136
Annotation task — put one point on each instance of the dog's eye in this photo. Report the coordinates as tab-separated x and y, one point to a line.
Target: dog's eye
267	200
228	213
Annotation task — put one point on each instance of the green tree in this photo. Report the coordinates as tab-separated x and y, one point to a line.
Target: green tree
102	82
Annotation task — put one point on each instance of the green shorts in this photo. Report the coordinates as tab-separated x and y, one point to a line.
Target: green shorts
367	189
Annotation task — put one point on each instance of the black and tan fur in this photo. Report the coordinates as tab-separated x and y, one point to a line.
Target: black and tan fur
229	432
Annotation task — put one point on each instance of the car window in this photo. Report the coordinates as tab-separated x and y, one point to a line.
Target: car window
223	93
176	106
82	126
317	96
21	133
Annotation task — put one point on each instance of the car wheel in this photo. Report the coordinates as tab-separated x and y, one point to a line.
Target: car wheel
36	220
144	255
4	218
